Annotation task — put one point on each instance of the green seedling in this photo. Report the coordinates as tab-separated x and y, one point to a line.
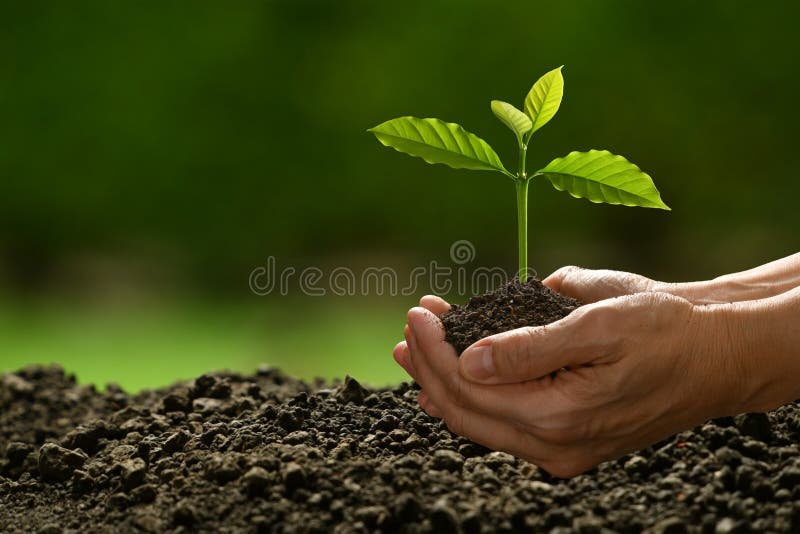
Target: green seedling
596	175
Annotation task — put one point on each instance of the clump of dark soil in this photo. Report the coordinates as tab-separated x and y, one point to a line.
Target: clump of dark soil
514	305
267	453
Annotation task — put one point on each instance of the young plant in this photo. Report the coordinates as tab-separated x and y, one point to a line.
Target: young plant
596	175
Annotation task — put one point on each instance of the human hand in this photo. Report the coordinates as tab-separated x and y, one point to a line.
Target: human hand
592	285
610	378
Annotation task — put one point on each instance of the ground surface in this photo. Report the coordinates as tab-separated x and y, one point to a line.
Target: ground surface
231	453
514	305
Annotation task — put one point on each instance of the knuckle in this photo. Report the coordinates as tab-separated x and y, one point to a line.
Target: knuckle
656	309
455	422
511	358
592	316
603	317
570	274
639	283
655	298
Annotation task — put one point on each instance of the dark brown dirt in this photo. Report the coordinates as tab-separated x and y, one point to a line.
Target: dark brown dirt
511	306
267	453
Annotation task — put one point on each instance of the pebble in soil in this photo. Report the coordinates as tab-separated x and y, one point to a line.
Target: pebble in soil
514	305
268	453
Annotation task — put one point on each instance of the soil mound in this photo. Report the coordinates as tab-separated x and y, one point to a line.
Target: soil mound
514	305
267	453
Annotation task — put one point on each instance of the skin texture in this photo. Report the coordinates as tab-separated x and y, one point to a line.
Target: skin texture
642	361
761	282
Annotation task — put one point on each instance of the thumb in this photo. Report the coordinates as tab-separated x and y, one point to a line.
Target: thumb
569	281
525	353
593	285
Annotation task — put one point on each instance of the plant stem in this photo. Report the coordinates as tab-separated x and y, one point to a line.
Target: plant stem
522	212
522	227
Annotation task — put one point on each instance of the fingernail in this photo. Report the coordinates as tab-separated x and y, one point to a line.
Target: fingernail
478	361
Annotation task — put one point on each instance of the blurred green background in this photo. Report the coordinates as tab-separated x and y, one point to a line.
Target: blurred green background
153	153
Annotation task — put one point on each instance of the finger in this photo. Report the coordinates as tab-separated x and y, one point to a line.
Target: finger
406	354
533	352
436	305
593	285
585	285
564	279
402	357
424	326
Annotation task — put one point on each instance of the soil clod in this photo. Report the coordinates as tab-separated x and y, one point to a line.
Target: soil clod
352	391
57	463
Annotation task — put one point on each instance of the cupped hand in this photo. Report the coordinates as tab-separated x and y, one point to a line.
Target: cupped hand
592	285
612	377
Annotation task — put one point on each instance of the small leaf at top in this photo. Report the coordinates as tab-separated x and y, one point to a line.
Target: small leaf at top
437	141
600	176
544	99
517	121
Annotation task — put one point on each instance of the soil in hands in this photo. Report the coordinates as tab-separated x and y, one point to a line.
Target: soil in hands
514	305
268	453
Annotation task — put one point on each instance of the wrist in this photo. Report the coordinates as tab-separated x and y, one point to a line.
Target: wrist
718	352
757	364
774	352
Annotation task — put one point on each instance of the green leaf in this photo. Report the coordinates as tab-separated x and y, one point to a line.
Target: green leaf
600	176
437	141
517	121
544	99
